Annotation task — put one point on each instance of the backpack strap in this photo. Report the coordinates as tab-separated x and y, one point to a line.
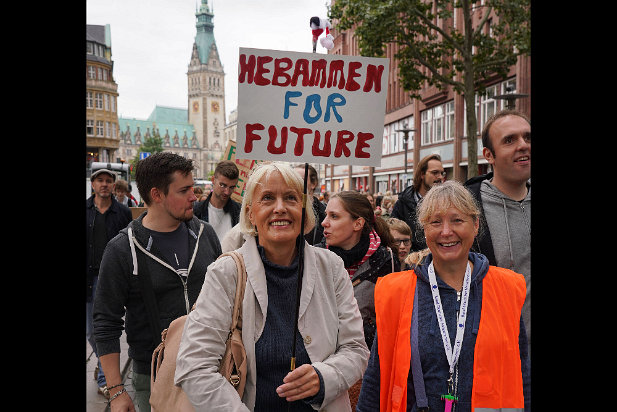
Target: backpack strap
147	292
416	367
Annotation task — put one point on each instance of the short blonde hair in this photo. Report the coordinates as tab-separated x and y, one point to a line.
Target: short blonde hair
264	170
445	195
439	198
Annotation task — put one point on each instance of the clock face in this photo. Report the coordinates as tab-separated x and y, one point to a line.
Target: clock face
215	106
195	106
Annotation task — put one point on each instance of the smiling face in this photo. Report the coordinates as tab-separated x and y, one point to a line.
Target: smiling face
276	211
510	138
340	228
450	234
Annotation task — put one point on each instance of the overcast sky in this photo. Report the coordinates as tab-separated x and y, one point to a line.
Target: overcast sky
152	40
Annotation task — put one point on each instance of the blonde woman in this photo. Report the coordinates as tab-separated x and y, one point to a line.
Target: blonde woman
449	330
331	353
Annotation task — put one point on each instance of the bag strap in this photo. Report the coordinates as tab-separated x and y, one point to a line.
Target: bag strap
236	322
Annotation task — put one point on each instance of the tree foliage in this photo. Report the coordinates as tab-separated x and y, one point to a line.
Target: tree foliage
152	144
431	50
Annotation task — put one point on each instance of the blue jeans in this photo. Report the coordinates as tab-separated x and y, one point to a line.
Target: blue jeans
90	336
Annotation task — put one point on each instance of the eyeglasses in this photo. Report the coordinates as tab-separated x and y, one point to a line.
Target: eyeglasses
223	186
406	242
437	173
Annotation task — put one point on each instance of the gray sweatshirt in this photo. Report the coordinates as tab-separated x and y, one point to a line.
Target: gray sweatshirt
509	222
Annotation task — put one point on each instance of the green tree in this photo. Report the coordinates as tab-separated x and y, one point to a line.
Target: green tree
152	144
431	50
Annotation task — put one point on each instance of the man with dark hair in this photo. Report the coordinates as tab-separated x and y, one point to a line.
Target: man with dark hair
428	172
504	197
151	273
219	209
105	217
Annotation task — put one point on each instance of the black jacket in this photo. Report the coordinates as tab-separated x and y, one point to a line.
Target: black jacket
200	209
116	219
482	243
405	210
118	289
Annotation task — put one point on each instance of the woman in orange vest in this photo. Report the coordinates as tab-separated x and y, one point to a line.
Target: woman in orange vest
449	332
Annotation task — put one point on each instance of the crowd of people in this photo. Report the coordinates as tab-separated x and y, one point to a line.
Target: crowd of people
417	301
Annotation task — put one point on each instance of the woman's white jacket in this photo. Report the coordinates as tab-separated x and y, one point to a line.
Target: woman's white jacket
329	322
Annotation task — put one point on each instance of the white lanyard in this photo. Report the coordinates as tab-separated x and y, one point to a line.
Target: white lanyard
451	354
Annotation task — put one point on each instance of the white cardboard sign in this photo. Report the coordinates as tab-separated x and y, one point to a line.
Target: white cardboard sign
310	107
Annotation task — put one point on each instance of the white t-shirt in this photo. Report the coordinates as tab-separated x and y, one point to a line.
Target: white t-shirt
219	220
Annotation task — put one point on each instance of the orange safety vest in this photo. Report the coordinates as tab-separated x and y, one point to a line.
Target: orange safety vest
497	378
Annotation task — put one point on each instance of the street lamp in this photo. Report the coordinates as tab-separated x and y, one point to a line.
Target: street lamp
405	131
510	98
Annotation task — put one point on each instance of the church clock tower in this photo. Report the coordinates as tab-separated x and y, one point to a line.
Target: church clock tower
206	92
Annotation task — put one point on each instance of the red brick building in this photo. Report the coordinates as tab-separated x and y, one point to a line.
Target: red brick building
438	118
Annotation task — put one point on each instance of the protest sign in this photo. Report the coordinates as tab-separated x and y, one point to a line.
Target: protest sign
244	167
309	107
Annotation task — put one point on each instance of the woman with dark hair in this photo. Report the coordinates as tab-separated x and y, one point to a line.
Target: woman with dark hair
364	242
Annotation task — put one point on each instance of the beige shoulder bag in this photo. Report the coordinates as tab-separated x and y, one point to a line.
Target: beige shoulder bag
164	394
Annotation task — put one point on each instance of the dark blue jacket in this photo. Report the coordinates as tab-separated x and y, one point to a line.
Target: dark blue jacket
116	219
432	355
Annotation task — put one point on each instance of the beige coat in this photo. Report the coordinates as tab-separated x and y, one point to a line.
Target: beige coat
329	322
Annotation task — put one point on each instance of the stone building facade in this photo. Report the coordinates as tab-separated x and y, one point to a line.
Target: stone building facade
102	135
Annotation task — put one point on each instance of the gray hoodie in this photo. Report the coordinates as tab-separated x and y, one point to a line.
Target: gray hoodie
509	223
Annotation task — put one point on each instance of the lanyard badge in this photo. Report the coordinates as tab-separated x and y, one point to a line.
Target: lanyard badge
452	353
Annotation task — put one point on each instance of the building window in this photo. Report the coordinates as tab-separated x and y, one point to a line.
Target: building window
90	127
89	102
437	124
100	73
488	105
113	104
91	72
384	144
99	128
106	101
107	129
99	100
105	74
426	126
450	120
89	48
438	121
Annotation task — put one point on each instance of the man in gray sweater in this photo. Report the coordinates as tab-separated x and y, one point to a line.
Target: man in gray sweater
504	196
